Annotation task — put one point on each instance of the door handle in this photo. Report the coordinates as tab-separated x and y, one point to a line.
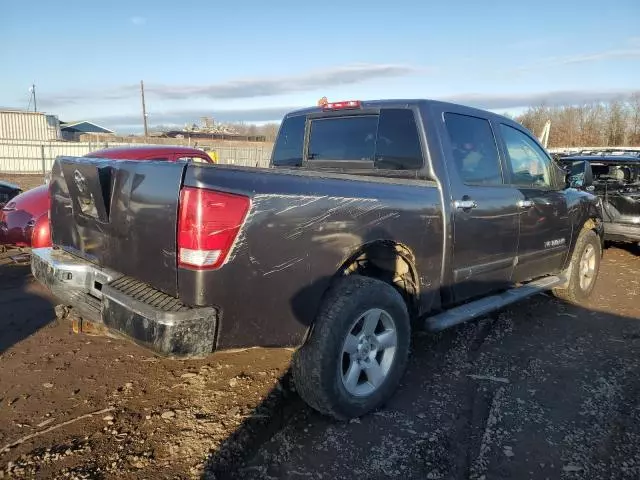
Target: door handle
525	203
465	204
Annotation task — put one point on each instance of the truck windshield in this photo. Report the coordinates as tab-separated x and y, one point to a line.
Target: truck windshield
615	173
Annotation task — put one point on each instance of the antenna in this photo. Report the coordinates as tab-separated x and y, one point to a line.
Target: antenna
144	110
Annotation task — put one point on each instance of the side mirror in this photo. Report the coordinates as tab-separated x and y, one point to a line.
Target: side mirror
580	175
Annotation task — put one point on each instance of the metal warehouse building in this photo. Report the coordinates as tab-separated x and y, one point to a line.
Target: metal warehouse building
22	125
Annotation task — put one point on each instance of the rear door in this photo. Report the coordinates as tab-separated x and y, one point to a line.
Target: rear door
485	208
119	214
545	230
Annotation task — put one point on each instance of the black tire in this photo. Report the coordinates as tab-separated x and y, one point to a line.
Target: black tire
317	365
573	292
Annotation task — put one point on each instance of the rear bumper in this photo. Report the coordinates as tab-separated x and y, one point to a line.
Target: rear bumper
126	306
621	232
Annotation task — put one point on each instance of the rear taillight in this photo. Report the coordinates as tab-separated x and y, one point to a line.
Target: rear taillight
208	224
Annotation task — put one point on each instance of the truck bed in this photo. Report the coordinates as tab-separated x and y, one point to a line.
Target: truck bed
301	227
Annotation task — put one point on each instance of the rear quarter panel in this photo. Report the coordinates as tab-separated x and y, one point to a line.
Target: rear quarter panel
300	230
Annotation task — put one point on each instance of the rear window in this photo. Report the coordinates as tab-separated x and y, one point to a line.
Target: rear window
390	140
343	138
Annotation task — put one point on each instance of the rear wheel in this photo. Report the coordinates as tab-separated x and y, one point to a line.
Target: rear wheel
583	269
358	349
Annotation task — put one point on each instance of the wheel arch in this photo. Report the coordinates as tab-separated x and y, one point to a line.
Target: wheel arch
387	260
588	216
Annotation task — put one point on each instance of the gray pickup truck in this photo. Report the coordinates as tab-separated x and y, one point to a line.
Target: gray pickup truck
374	218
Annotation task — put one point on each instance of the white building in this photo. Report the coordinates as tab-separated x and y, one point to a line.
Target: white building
22	125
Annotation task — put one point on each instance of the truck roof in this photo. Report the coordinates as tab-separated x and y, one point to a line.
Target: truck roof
419	102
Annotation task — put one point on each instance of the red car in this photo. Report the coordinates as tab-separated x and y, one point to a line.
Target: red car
24	221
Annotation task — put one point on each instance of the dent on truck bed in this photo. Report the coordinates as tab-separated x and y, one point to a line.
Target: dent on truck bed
293	243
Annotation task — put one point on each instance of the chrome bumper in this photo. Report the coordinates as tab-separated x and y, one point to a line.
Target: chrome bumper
125	305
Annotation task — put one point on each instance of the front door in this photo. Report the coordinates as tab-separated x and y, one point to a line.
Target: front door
485	211
545	229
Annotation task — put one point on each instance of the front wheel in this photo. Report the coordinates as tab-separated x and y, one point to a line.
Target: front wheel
358	350
583	269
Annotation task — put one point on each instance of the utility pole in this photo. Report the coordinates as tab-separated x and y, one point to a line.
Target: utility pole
33	93
144	110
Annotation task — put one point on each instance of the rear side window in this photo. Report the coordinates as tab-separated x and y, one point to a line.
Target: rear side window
343	138
475	153
288	147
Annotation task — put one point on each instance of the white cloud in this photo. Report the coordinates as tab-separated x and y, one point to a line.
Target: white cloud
511	102
630	51
243	88
559	97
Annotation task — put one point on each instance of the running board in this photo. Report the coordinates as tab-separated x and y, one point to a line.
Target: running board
481	307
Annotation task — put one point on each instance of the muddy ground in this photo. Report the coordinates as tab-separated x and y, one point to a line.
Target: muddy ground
542	390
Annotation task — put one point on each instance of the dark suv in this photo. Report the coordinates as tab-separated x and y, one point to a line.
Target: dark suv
616	181
7	192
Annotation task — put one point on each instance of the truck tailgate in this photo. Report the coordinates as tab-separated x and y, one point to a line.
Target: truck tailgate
120	214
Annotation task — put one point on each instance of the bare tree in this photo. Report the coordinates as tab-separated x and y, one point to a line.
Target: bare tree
615	123
634	107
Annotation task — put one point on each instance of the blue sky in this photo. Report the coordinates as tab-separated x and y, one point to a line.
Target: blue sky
254	60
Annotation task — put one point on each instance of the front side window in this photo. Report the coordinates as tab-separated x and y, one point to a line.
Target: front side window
475	153
529	165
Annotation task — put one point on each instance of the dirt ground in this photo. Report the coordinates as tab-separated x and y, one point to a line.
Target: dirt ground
541	390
